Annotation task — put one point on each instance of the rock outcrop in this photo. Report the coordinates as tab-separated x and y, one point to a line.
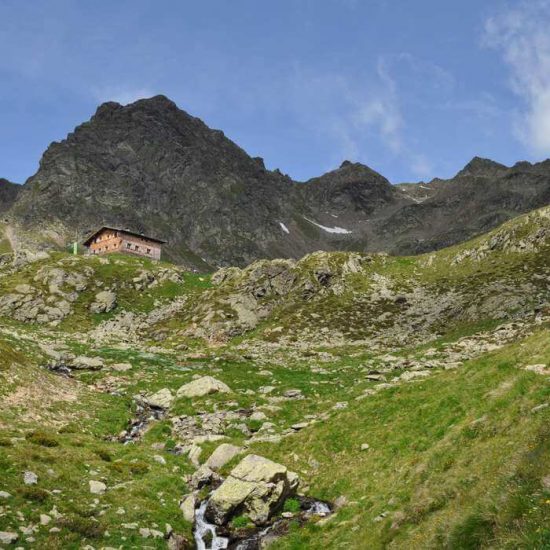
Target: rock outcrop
104	302
256	487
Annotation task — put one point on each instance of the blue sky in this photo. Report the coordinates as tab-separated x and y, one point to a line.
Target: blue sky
412	89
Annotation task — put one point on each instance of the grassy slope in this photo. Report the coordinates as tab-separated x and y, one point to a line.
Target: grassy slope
444	481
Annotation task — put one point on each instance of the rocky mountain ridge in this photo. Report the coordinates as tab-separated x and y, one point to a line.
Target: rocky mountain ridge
153	168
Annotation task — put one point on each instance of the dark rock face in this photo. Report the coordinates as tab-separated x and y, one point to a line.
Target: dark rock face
8	194
151	167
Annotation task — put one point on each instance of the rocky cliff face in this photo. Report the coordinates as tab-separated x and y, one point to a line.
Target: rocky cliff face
8	194
151	167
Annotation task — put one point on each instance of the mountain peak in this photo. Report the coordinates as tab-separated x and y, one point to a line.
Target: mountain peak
479	166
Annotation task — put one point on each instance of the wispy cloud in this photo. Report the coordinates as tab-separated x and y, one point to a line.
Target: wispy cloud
520	33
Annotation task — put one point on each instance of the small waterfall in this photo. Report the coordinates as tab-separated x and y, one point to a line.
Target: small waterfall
206	537
204	530
318	509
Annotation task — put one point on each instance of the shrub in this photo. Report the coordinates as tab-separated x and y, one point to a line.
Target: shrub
291	505
472	533
42	438
84	527
136	468
240	522
5	442
104	455
254	425
34	493
69	429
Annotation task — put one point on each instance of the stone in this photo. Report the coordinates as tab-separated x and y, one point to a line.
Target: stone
258	416
299	426
179	542
87	363
162	399
8	537
205	385
187	507
30	478
104	302
45	519
97	487
160	459
538	369
411	375
203	476
121	367
4	494
145	532
293	394
256	487
365	446
222	455
25	289
194	455
539	408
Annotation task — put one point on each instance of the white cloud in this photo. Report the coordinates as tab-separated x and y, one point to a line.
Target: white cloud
521	35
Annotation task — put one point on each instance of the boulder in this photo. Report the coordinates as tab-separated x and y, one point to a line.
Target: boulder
121	367
161	399
8	537
30	478
25	289
222	455
104	302
203	476
187	506
256	487
97	487
203	386
87	363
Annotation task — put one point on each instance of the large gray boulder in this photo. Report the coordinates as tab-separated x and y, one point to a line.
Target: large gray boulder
256	487
203	386
222	455
104	302
83	362
161	399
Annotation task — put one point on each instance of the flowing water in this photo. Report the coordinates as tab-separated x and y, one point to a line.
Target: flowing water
138	426
318	508
206	537
205	533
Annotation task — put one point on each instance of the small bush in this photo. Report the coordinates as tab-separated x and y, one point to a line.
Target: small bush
291	505
42	438
170	444
471	534
139	468
240	522
5	442
104	455
69	429
84	527
254	425
136	468
35	494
